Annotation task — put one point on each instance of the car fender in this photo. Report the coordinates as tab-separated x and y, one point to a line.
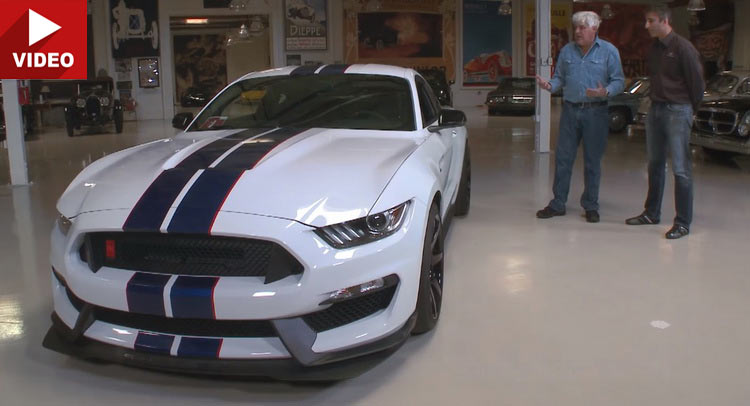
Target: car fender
417	178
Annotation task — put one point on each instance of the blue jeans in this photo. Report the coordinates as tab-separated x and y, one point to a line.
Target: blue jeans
668	128
590	125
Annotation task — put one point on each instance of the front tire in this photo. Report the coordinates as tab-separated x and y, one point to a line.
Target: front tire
618	120
463	199
430	295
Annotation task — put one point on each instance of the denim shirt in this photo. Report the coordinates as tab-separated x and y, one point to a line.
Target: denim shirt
575	72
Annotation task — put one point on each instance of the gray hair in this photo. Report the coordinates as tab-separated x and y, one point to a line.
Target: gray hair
587	18
661	11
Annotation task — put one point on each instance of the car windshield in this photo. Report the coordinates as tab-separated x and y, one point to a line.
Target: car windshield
372	102
722	83
639	87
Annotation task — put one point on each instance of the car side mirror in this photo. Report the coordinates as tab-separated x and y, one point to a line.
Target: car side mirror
449	118
182	120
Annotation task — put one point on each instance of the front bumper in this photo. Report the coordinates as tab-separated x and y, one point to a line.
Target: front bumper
720	143
351	363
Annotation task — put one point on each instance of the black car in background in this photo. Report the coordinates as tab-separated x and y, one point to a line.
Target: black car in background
722	122
195	97
623	108
94	105
513	95
440	86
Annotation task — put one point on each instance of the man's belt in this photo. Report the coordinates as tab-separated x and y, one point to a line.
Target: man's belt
588	104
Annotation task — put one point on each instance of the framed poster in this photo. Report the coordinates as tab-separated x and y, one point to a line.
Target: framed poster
200	65
134	26
488	49
305	25
400	35
148	72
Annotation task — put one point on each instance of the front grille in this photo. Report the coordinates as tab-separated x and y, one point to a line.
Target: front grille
349	311
716	121
93	106
185	254
184	327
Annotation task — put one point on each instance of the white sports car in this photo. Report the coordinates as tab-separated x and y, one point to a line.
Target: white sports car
295	227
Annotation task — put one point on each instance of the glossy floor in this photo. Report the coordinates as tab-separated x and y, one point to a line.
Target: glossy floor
536	312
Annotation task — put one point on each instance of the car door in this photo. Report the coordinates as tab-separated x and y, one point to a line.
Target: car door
430	116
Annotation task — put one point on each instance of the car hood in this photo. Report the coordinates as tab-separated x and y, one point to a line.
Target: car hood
316	176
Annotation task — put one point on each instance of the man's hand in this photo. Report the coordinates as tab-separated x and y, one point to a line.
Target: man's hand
543	83
600	91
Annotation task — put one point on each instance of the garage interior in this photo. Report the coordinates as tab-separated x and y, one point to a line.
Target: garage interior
535	312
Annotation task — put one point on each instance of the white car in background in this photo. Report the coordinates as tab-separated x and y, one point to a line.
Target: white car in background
294	228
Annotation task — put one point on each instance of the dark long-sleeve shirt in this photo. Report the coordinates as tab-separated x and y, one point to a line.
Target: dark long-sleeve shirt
676	71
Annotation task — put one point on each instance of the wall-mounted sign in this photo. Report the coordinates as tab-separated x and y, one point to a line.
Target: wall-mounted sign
305	25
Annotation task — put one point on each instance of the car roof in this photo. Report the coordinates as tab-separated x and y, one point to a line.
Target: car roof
367	69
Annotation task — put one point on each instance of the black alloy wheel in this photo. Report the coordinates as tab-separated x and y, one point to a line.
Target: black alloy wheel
430	296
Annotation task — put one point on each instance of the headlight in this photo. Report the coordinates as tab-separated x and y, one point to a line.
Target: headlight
64	223
80	103
365	229
744	128
104	101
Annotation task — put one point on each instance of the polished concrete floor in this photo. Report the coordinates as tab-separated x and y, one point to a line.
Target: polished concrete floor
536	312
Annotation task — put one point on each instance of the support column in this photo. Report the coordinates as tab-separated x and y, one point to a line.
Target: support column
543	69
19	174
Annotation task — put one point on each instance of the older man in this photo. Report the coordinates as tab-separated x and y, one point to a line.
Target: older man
588	70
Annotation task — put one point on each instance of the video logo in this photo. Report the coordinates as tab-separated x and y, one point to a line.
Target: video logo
43	39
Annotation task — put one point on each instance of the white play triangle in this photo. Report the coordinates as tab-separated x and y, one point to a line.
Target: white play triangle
39	27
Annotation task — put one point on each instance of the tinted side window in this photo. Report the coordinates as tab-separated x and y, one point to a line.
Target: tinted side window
429	112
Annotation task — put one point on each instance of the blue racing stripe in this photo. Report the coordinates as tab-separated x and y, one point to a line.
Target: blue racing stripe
152	342
145	293
304	70
198	209
201	204
334	69
193	297
153	206
149	212
199	347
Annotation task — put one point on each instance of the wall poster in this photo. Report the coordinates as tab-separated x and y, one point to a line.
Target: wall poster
200	64
418	34
134	26
487	40
305	25
560	35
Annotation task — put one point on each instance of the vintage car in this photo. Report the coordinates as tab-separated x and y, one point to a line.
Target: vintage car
722	123
512	95
93	105
726	84
623	107
294	229
488	67
440	86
